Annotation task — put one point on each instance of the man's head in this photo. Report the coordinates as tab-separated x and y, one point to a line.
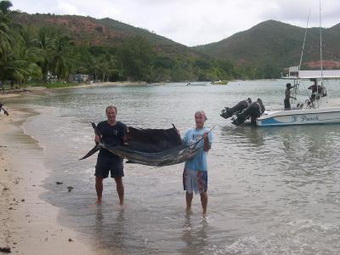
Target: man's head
200	118
111	113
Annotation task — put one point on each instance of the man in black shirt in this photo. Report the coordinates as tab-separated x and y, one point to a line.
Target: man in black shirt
288	96
112	132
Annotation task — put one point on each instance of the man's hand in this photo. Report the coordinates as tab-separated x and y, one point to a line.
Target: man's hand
97	139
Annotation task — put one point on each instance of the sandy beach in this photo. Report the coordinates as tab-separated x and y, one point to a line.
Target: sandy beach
28	224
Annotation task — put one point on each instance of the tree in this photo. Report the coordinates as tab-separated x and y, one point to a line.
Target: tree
6	38
17	60
136	58
55	51
20	65
60	57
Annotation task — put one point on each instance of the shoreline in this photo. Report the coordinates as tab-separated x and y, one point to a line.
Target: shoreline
29	224
41	90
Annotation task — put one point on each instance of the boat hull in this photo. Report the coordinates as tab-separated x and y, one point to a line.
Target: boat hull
300	117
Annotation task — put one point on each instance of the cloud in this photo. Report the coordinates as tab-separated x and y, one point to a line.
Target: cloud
65	7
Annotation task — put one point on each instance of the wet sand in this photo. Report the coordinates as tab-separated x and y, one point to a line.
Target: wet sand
28	224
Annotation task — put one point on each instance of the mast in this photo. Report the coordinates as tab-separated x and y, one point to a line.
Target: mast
304	40
321	45
297	81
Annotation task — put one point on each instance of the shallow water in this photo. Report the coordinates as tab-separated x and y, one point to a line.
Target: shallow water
271	190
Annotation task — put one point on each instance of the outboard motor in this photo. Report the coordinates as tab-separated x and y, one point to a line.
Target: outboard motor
229	112
253	111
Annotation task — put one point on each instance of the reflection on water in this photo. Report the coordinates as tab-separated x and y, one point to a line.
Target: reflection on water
195	237
272	190
112	231
247	134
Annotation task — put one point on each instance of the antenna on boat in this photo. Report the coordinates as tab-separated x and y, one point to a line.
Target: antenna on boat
304	40
297	81
320	49
321	45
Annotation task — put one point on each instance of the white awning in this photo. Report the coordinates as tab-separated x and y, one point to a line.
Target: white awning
326	74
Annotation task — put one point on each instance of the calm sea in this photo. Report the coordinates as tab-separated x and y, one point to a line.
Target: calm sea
271	190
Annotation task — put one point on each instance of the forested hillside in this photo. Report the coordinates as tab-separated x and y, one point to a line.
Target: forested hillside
271	46
110	50
39	47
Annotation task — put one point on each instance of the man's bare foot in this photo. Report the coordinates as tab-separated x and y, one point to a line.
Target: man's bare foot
97	203
188	211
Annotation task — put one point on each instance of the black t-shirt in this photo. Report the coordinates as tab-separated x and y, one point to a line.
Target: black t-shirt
111	135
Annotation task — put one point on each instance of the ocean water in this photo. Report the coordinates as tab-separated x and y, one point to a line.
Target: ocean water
271	190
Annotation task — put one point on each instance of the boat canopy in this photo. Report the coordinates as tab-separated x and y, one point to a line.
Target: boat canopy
295	73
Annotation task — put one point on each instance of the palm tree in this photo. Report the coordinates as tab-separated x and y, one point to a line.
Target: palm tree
5	39
5	36
44	43
56	53
17	60
20	65
61	57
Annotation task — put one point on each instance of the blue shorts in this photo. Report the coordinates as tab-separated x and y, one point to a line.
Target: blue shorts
106	165
195	181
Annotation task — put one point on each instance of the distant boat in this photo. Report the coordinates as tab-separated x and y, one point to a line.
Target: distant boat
318	109
199	83
220	82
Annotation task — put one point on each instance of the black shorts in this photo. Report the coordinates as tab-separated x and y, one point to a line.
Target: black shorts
109	164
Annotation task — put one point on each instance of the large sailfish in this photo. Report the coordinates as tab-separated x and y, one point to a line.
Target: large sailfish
153	147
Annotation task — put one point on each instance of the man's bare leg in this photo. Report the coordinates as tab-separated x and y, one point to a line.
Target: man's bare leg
204	202
188	198
99	189
120	189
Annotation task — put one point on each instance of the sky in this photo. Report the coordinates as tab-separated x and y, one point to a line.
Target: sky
193	22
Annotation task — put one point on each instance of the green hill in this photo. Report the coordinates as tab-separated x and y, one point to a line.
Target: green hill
276	44
113	50
87	31
263	51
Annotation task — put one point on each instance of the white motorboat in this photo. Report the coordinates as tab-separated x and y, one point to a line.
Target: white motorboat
318	109
300	117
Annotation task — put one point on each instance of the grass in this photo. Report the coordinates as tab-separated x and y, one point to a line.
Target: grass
51	85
